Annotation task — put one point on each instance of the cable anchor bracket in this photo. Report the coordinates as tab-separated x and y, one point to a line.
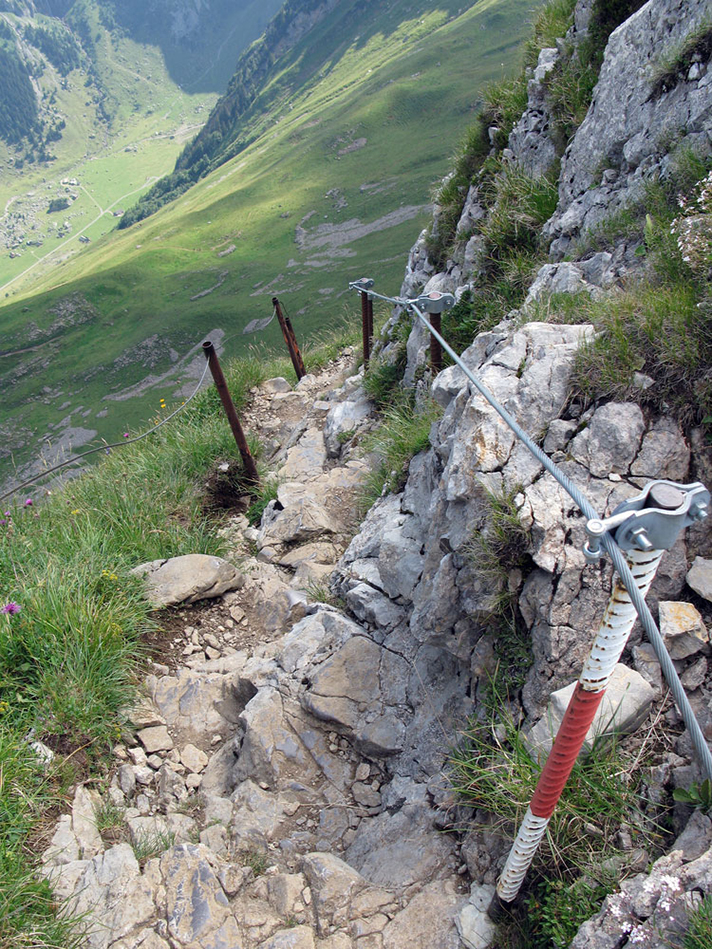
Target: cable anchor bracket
652	520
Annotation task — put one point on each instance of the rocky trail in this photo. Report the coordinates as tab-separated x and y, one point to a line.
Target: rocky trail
249	809
283	785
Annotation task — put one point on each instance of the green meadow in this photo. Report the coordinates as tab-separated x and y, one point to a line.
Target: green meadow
335	184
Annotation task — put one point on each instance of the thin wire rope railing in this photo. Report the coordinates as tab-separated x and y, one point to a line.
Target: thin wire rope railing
251	327
608	542
106	447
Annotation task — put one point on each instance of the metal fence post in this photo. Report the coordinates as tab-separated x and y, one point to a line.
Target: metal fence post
221	385
290	339
363	285
434	303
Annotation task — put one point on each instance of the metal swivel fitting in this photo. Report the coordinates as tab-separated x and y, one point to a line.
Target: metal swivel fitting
434	302
652	520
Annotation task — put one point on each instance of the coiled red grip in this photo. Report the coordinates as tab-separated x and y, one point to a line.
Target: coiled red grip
567	744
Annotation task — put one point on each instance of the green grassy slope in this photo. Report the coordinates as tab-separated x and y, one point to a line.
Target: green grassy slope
350	158
112	92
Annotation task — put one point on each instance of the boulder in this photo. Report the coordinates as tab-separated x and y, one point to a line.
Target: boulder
343	419
361	690
428	921
197	910
401	846
475	927
114	897
623	708
333	884
610	442
85	808
306	459
187	579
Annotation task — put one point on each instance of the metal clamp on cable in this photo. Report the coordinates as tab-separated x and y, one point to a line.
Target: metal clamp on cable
652	520
434	302
362	284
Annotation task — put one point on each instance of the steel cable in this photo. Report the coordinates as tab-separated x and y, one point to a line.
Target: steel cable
127	441
614	551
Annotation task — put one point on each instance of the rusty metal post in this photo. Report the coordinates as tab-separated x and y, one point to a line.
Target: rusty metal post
436	351
215	368
370	321
365	332
290	339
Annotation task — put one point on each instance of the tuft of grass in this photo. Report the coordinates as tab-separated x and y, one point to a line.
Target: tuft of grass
382	381
320	593
110	820
579	861
551	22
28	910
150	844
262	495
404	432
500	547
674	64
503	103
570	88
521	205
256	860
659	331
699	933
662	325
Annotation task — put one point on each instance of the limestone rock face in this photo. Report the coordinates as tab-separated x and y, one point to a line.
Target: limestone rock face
530	141
117	895
359	689
629	122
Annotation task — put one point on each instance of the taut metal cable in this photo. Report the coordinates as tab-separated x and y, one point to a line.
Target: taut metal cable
614	551
104	448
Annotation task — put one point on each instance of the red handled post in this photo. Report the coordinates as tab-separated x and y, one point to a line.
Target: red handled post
645	526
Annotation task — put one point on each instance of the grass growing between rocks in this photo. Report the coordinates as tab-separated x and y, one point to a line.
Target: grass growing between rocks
73	618
580	860
699	935
148	845
498	554
403	433
660	326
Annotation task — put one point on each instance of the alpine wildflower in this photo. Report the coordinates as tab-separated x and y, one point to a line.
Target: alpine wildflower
28	502
11	608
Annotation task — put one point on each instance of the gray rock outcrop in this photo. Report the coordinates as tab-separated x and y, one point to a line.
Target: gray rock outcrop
631	121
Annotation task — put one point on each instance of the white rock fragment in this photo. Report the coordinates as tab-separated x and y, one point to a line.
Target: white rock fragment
682	628
194	759
699	577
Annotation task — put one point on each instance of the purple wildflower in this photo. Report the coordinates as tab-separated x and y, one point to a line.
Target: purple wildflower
126	434
28	502
11	608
